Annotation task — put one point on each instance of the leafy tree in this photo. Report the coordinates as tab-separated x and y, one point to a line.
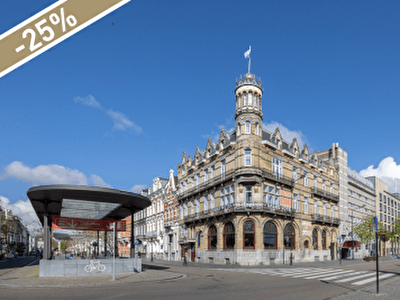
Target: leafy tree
62	246
366	233
395	233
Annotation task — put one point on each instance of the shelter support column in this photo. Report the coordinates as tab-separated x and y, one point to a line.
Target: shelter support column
105	243
116	244
46	237
98	241
132	236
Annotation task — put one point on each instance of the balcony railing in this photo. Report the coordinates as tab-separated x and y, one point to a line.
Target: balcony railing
258	207
240	207
151	234
278	178
318	218
207	184
325	194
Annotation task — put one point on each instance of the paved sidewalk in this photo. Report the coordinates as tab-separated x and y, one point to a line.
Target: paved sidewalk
388	289
28	277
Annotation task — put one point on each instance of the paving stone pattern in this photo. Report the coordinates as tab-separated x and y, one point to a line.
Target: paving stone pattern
29	277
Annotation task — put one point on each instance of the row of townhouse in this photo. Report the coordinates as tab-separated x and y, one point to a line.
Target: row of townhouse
156	227
14	236
254	198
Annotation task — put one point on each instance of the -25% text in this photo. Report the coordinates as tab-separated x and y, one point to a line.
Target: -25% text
54	19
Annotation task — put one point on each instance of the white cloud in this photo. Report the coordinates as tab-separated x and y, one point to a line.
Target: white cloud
388	171
44	174
88	101
50	174
98	181
137	188
122	122
286	133
25	211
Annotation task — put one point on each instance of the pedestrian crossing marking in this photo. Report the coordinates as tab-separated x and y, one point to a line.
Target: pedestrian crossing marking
345	275
322	274
328	275
317	273
353	278
373	279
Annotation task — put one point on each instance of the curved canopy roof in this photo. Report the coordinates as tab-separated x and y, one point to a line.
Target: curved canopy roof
86	202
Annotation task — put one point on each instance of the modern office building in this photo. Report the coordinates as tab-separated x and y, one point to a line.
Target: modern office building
356	201
387	211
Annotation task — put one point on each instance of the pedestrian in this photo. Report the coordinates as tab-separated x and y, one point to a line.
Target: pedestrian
184	259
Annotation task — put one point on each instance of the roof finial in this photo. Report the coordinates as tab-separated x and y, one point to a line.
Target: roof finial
247	55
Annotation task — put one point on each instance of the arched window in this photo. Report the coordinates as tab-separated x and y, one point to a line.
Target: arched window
256	130
229	236
247	128
315	238
270	236
248	235
323	240
212	238
289	237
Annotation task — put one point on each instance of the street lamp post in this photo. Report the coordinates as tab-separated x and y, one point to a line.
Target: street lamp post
352	234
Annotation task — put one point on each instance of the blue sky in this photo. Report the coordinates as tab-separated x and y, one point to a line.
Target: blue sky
117	103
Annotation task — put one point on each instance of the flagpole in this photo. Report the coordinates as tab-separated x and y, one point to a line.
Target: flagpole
249	63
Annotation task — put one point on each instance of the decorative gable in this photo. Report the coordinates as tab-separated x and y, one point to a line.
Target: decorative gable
294	147
277	138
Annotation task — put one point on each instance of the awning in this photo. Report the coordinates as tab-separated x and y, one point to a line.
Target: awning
85	202
351	244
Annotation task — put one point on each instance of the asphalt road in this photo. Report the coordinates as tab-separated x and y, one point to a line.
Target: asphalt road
204	283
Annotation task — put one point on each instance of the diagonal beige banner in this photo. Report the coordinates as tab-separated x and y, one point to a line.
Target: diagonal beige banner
48	28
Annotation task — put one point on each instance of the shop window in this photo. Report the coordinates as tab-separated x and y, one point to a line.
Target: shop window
289	237
229	236
323	240
212	238
315	239
248	235
270	236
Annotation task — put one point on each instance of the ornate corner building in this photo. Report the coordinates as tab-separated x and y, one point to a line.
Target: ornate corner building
253	198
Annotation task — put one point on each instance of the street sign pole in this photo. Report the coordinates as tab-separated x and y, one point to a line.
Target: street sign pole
375	227
377	261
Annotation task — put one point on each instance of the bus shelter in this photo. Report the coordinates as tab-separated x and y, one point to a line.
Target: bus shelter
103	205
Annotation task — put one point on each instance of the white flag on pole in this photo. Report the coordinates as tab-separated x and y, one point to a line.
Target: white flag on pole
247	53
